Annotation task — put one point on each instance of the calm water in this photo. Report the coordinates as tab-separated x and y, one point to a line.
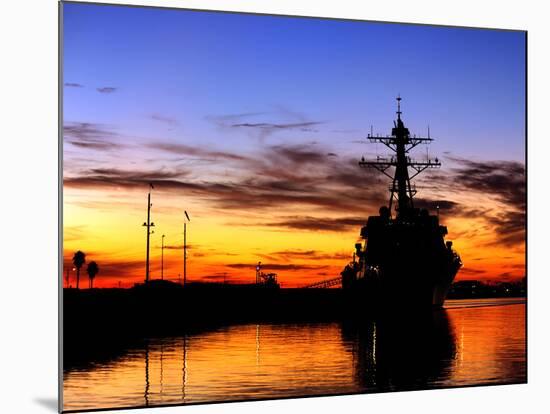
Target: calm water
471	342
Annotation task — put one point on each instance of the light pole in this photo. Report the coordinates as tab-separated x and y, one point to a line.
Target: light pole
185	248
148	224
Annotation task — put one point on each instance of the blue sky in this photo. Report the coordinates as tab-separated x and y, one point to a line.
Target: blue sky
191	66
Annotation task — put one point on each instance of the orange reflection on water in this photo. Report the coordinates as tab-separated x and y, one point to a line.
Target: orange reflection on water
490	344
459	346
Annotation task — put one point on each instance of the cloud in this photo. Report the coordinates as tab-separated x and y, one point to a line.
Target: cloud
91	136
268	128
276	266
113	177
505	181
309	223
164	119
281	176
73	85
225	120
289	255
73	233
177	247
107	89
182	149
470	271
248	121
215	277
510	227
432	205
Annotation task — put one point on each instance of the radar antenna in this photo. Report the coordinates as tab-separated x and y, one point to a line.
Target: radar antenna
401	143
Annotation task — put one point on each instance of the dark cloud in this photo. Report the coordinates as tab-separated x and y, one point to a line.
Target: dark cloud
262	129
282	176
309	223
215	277
470	271
276	266
182	149
296	154
73	85
504	181
95	145
106	89
176	246
268	127
113	177
289	255
510	227
90	136
432	205
226	120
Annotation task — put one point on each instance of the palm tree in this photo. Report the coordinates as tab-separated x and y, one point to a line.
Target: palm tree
93	269
79	259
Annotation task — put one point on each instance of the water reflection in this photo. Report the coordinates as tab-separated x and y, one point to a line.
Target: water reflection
401	353
257	361
147	385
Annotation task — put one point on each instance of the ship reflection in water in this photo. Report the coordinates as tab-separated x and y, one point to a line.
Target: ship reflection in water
462	345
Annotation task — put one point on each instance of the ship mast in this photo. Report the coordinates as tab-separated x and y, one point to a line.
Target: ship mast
401	143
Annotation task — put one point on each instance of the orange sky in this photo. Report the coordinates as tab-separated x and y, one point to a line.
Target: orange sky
104	219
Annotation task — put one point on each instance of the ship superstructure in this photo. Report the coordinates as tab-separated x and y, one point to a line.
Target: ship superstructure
403	257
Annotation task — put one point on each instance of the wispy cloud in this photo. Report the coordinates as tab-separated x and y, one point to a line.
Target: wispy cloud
308	255
164	119
276	266
113	177
504	181
283	176
309	223
73	85
262	128
91	136
194	151
107	89
268	128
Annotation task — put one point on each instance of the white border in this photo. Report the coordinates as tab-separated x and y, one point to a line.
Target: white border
28	301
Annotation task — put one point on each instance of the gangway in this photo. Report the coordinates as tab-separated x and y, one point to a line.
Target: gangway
323	284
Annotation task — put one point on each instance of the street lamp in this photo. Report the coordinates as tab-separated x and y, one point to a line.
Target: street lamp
148	224
185	248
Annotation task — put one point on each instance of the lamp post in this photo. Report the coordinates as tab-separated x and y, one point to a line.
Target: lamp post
148	224
185	247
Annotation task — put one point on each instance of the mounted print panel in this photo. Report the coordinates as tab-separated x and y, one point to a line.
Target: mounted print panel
261	207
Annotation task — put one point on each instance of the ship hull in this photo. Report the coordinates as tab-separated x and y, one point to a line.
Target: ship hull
417	281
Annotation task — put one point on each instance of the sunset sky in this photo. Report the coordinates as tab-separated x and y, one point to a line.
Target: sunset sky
255	124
